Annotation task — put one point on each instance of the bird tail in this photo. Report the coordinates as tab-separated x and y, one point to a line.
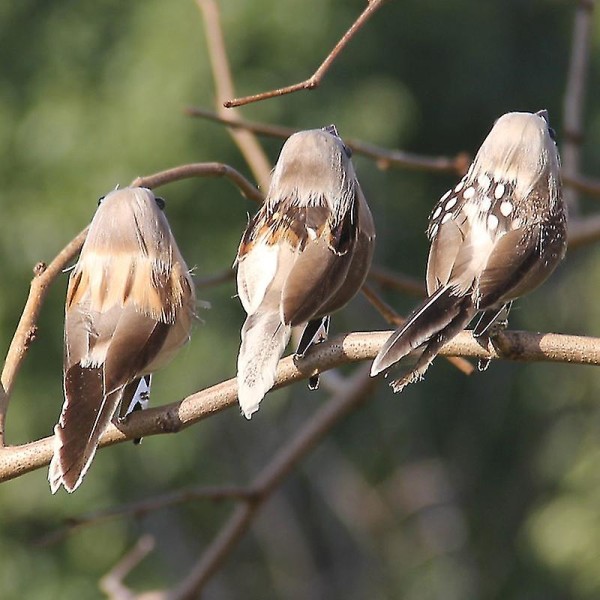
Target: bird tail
80	426
427	329
264	338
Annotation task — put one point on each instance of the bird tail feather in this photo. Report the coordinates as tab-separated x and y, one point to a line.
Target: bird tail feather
81	424
414	345
264	338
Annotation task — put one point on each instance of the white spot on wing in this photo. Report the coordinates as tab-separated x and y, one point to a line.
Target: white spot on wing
486	204
434	230
447	217
506	208
445	195
437	213
499	191
450	203
484	182
460	186
492	222
469	193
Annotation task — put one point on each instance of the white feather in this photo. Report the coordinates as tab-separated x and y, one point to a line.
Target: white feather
255	274
264	338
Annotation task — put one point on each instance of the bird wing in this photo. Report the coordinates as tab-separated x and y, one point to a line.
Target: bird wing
361	259
321	266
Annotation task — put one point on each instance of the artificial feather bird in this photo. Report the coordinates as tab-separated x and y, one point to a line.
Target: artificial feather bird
495	236
304	254
130	305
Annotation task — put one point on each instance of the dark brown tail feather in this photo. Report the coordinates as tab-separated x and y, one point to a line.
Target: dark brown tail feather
85	415
426	330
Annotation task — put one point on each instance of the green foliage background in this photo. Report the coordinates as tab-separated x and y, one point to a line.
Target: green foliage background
483	487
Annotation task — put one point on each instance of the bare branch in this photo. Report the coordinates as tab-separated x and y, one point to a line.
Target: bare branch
583	231
345	349
246	142
142	508
387	278
384	157
575	94
353	395
209	169
27	328
112	583
585	185
314	81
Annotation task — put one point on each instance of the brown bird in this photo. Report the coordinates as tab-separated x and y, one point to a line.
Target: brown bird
130	306
494	237
304	255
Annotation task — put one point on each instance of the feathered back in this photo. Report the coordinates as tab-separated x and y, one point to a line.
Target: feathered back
130	305
314	169
520	149
304	254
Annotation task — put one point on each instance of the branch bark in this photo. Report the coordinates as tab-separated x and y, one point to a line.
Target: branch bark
315	79
575	94
247	143
27	328
345	349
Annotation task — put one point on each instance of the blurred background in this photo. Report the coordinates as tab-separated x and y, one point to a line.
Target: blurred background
484	487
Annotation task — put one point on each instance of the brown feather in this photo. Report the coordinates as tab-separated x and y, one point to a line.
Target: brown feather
130	305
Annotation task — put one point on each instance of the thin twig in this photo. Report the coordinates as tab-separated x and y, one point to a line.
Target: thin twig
27	328
348	399
384	157
251	150
208	169
584	231
112	583
143	507
345	349
584	185
387	278
393	318
575	95
314	81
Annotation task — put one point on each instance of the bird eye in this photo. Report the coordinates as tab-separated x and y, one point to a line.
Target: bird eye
160	202
100	200
552	133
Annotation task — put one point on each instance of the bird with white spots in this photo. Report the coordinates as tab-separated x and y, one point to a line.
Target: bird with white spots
130	306
304	255
494	237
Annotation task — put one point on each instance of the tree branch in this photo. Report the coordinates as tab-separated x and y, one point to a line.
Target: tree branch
575	94
143	507
112	583
314	81
345	349
208	169
27	328
320	424
245	140
384	157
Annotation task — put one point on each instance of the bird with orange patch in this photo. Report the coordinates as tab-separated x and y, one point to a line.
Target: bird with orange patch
130	306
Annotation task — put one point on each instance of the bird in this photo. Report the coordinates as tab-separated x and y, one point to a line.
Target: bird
304	255
498	234
130	306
